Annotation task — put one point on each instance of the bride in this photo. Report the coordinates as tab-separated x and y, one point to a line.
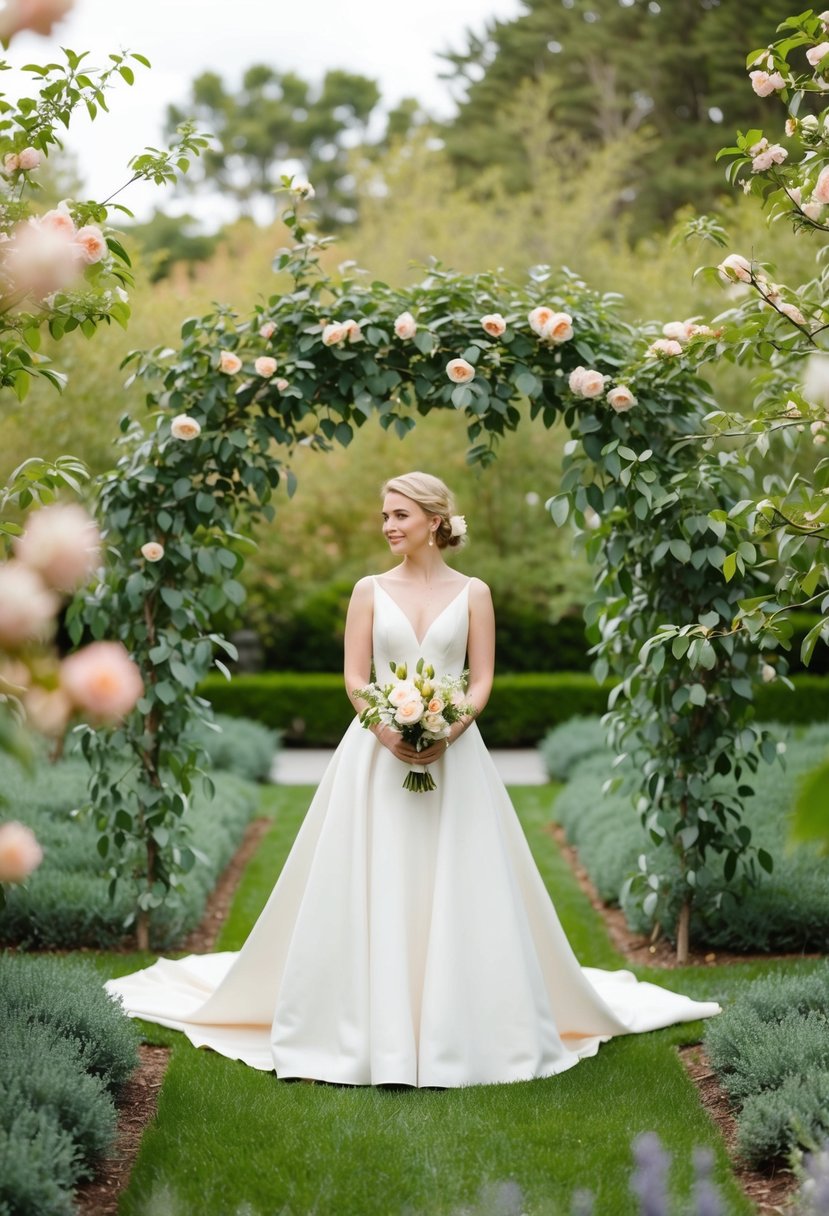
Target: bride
410	938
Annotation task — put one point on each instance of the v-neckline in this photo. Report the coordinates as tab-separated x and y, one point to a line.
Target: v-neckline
433	622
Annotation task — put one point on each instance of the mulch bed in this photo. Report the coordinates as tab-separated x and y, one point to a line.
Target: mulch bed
770	1191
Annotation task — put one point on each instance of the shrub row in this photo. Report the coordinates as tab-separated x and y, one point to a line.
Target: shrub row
770	1051
65	1051
66	902
312	710
786	910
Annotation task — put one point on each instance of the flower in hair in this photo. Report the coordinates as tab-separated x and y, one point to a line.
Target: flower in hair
458	525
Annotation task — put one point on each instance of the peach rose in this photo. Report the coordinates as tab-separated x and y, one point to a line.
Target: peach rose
152	551
559	328
405	326
435	706
265	366
574	380
229	363
20	854
59	219
185	427
352	330
90	240
41	259
401	693
816	54
539	317
699	331
409	712
334	333
765	84
267	330
281	383
102	680
774	154
735	266
621	399
27	607
11	163
812	211
591	383
820	194
62	544
37	15
28	159
459	371
47	710
680	331
493	324
668	347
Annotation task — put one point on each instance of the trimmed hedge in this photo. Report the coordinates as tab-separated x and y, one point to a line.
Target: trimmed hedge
312	709
786	910
240	746
65	1047
770	1051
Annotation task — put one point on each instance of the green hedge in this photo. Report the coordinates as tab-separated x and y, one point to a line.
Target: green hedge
312	710
770	1050
65	1049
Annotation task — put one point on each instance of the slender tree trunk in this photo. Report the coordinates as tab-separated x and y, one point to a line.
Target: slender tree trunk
683	932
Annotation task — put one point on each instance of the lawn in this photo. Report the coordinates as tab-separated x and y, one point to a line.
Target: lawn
230	1140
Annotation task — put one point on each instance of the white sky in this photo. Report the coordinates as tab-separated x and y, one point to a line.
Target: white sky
394	43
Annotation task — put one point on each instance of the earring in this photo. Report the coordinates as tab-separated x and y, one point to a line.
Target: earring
431	539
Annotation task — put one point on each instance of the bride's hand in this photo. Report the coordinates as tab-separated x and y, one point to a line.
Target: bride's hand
406	752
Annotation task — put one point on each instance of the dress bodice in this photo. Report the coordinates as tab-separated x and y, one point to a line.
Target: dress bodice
443	644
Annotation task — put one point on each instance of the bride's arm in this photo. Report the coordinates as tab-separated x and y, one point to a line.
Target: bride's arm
480	650
359	622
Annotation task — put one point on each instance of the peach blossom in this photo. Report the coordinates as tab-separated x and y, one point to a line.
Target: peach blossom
267	330
102	681
229	363
820	194
47	710
20	854
59	219
812	211
765	84
27	606
92	243
539	317
152	551
816	54
591	383
621	399
281	383
185	427
664	346
334	333
459	371
405	326
559	328
62	544
774	154
494	324
699	331
265	366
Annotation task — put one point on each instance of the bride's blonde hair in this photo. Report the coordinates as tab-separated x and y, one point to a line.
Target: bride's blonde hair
433	496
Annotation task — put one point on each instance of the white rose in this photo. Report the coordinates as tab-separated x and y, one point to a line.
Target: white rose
265	366
405	326
574	379
767	673
267	330
152	551
352	330
436	724
457	524
735	266
621	398
459	371
185	427
817	53
493	324
401	693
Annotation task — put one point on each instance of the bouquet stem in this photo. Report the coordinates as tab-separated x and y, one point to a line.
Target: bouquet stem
419	780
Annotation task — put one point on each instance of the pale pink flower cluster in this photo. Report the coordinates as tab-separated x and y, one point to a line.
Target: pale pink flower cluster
185	427
405	326
764	155
764	84
667	348
229	363
47	252
816	54
20	854
555	327
684	331
21	162
459	371
585	382
27	606
281	383
493	324
621	399
342	331
36	15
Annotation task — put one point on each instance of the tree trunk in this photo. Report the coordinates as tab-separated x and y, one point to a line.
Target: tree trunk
683	932
142	930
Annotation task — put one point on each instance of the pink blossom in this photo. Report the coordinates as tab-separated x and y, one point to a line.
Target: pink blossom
102	681
765	84
493	324
621	399
267	330
816	54
575	378
820	194
28	159
735	266
36	15
334	333
591	383
812	211
265	366
92	243
229	363
47	710
59	219
152	551
62	544
20	854
41	259
559	328
539	317
185	427
460	371
27	606
405	326
11	163
793	313
774	154
281	383
664	346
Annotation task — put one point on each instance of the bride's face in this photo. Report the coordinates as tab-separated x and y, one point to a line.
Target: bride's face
406	526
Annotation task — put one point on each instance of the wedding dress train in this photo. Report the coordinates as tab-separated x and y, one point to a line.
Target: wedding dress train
409	938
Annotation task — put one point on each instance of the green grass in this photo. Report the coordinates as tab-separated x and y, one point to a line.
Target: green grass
231	1140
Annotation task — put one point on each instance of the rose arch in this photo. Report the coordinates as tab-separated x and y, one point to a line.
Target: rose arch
326	356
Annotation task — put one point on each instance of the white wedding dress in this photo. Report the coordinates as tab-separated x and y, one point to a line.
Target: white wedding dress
410	938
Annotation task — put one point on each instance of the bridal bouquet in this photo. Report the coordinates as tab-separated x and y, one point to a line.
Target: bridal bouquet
421	709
